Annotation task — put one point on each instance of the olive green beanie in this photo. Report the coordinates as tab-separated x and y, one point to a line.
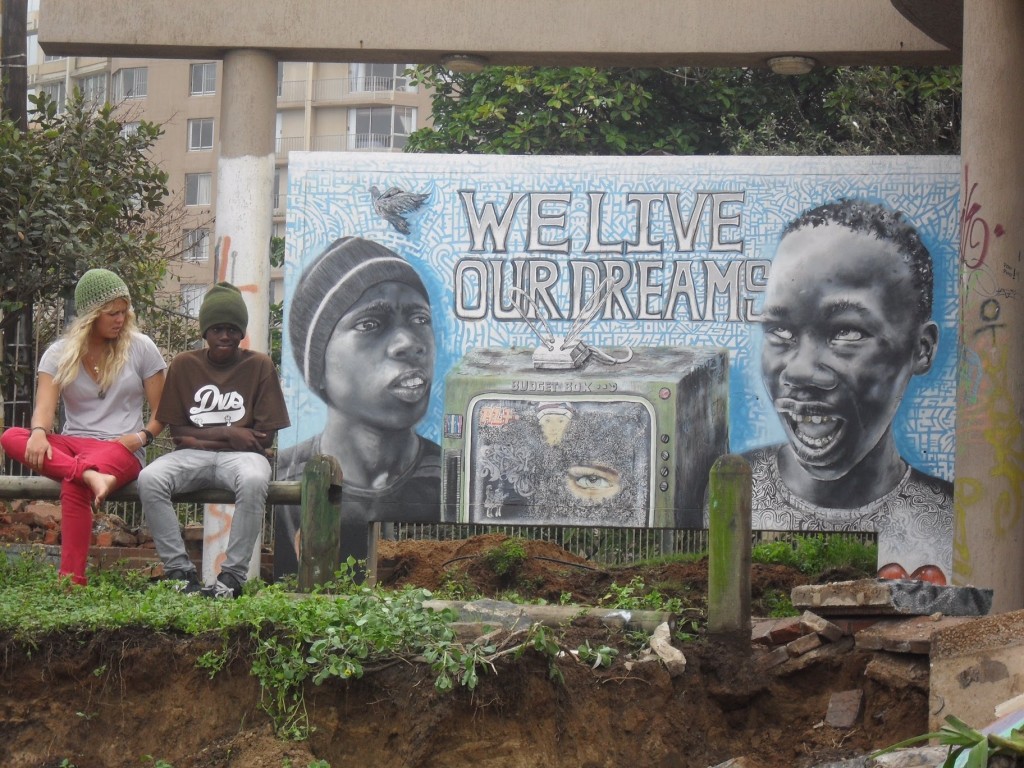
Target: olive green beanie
223	305
98	287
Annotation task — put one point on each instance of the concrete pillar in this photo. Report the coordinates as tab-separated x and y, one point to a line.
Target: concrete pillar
245	188
988	542
245	183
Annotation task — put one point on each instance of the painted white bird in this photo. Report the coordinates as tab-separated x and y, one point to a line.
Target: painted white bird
393	203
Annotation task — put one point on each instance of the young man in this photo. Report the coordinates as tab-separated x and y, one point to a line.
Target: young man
224	406
847	324
361	333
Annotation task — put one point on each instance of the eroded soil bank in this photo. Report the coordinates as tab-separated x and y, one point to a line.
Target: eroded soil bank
111	699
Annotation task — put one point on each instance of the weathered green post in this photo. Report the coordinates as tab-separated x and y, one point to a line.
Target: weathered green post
320	537
729	547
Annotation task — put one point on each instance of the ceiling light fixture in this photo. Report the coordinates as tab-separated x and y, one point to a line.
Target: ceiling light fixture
463	63
791	65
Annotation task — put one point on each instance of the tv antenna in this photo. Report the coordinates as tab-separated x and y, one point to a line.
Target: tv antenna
568	352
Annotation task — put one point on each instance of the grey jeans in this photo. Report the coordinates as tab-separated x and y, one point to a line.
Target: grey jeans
247	474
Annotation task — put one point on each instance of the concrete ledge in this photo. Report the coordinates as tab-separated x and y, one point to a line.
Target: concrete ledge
891	597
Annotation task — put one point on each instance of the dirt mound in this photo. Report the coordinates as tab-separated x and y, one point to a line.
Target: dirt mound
112	699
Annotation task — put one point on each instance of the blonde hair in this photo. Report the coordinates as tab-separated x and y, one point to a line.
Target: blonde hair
115	354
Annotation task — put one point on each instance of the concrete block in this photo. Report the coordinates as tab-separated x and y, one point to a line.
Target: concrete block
891	597
975	666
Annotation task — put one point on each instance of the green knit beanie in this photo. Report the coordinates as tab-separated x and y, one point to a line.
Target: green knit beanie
223	305
96	288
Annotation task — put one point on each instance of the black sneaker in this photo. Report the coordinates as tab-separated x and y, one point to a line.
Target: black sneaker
226	587
188	581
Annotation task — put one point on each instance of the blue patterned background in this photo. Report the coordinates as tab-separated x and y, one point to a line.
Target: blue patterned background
328	197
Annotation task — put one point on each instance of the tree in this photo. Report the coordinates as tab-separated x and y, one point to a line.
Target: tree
588	111
76	191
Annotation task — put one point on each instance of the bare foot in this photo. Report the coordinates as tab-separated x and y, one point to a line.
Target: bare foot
101	485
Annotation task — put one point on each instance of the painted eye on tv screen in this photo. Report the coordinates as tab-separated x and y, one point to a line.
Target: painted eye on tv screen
559	462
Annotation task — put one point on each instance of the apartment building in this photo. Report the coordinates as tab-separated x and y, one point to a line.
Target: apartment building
337	107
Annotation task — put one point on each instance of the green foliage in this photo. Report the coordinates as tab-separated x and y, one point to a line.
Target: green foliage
687	111
456	585
76	193
602	656
506	558
816	554
962	739
635	596
336	633
212	661
778	604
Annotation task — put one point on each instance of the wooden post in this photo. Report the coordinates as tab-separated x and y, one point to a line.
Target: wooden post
729	497
320	539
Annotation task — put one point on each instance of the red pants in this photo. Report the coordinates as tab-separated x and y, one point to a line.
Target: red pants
71	457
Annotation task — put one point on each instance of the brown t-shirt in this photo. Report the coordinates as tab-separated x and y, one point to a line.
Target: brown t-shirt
243	393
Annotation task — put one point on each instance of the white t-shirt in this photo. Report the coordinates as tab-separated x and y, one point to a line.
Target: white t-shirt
119	411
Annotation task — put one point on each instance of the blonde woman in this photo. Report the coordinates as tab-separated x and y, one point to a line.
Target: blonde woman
102	368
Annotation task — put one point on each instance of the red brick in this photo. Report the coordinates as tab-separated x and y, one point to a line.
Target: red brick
104	539
811	622
786	630
51	537
15	532
44	510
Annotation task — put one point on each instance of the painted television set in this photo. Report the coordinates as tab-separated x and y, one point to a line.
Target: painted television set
613	442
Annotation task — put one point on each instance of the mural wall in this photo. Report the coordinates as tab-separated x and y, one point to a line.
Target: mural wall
465	332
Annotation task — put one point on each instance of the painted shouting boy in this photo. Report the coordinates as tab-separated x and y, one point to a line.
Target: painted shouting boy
847	324
224	406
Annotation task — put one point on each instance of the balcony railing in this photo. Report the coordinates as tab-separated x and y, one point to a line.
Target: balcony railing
286	144
344	89
340	143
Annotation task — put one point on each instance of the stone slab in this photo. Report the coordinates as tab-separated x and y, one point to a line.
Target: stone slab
844	709
891	597
912	635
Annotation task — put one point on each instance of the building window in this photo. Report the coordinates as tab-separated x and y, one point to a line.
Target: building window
131	83
380	77
56	92
380	127
94	89
200	133
197	245
47	57
198	188
192	298
32	49
203	79
280	191
130	129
